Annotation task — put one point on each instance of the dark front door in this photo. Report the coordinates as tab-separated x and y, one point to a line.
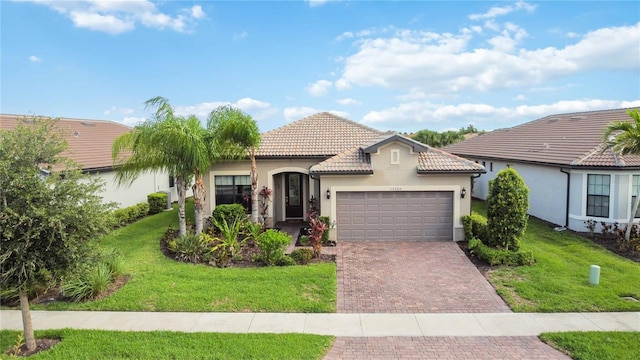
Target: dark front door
293	195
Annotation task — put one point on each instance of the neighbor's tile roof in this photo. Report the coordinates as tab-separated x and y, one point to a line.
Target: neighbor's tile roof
323	134
573	139
436	160
89	140
355	160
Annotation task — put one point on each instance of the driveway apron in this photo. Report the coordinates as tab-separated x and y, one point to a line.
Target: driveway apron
411	277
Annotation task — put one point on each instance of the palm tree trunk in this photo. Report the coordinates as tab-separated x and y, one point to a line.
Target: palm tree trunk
627	235
27	326
255	215
181	186
199	196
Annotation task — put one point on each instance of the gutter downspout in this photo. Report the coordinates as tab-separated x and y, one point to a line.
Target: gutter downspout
566	218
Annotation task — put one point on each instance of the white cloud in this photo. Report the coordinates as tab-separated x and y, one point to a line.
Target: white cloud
572	35
445	63
133	120
116	17
117	110
348	101
297	113
197	12
497	11
344	35
257	109
34	59
426	114
240	36
519	97
319	88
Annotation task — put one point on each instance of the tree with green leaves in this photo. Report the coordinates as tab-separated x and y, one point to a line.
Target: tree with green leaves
49	212
507	206
623	137
237	135
166	142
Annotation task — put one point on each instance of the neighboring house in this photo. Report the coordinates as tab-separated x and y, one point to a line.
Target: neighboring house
562	159
374	185
89	144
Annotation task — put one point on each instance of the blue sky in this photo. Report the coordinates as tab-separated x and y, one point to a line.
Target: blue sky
400	66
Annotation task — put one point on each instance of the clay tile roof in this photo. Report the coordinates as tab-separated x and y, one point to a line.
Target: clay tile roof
573	139
353	160
323	134
357	161
436	160
89	140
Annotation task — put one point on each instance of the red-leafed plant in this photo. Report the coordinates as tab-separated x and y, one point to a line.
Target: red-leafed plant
265	198
317	228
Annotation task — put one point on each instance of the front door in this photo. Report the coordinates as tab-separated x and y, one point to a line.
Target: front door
293	195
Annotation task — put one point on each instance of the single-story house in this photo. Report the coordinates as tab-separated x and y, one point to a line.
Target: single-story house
563	161
89	144
374	185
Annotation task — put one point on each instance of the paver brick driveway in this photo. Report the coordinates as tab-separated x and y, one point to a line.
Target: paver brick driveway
445	348
411	277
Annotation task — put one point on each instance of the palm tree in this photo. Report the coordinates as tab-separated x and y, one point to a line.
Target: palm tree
623	137
236	135
165	143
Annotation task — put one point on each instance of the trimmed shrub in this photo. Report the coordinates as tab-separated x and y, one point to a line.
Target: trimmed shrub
272	244
286	260
325	234
475	226
228	213
507	205
500	256
302	256
125	216
157	202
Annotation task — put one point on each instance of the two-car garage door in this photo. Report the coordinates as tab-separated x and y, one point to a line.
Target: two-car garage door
402	215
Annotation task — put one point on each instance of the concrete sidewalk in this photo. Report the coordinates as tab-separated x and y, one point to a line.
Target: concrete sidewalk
349	325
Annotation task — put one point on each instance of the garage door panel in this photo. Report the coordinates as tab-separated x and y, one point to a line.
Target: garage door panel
395	215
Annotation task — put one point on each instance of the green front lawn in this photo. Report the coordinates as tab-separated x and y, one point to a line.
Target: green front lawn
161	284
596	345
559	280
95	344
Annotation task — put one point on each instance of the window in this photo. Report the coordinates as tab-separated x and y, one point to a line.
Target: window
395	156
634	192
491	166
172	181
598	187
234	190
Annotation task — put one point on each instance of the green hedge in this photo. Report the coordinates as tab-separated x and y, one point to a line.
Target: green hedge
475	226
124	216
229	213
157	202
500	256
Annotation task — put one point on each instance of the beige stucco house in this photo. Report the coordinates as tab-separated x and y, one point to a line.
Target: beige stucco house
89	144
374	185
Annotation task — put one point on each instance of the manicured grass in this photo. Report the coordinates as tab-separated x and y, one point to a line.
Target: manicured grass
596	345
161	284
93	344
559	280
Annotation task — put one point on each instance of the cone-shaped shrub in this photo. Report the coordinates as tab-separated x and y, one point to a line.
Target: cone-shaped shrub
508	202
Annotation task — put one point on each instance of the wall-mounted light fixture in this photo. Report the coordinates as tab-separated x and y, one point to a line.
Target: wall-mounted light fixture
328	194
463	193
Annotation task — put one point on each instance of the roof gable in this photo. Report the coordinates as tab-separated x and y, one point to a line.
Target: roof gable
573	139
417	147
319	135
89	141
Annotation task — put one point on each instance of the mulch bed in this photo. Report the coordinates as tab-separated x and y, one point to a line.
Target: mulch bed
41	345
243	260
612	245
483	267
